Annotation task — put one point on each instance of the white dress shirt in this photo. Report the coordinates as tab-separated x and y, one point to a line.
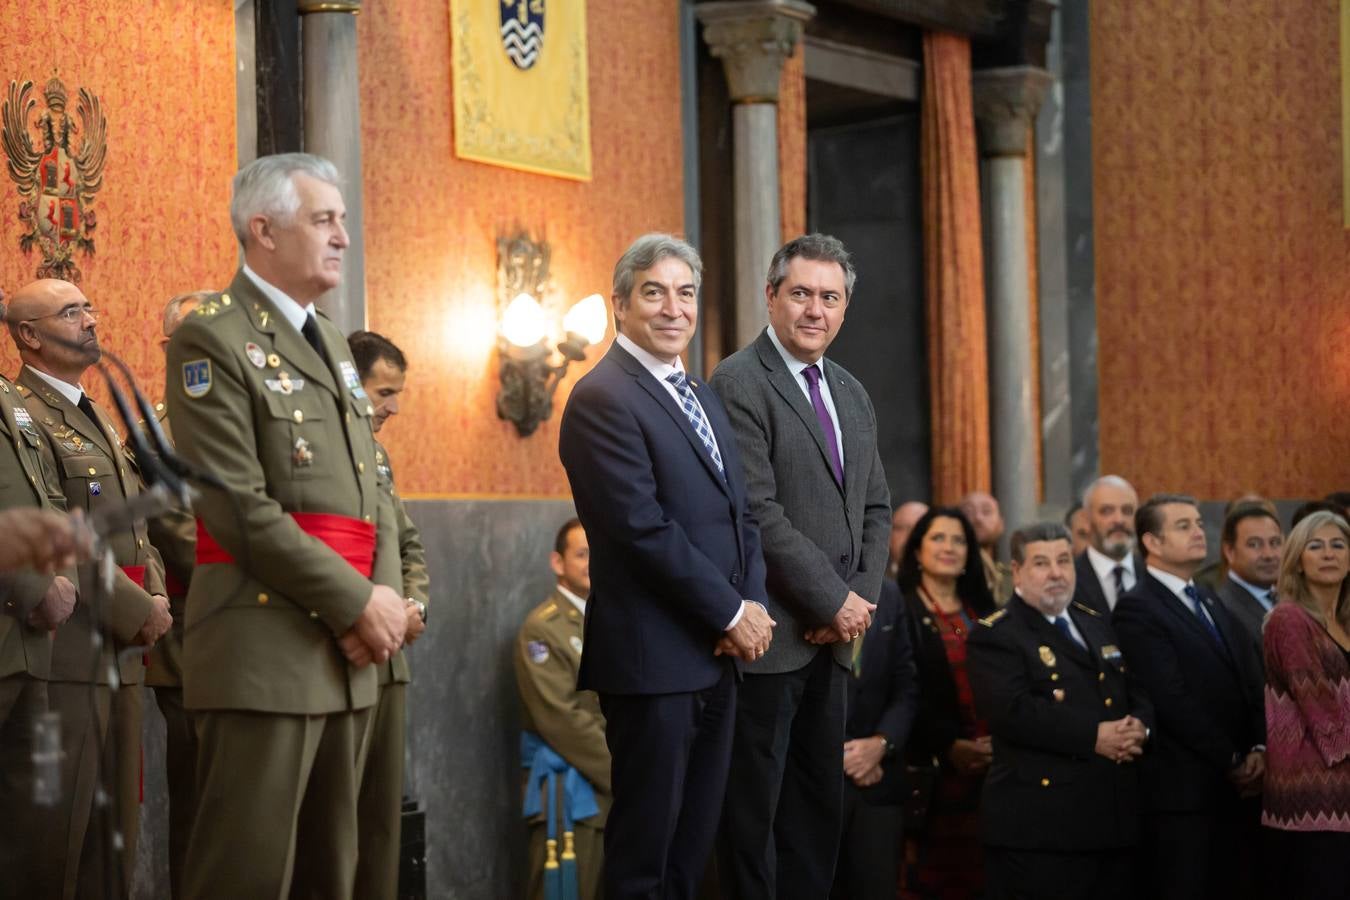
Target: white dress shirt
575	600
1261	594
1178	588
660	371
1103	565
797	367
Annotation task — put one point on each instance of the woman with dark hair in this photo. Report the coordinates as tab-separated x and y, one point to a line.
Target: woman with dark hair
944	597
1306	637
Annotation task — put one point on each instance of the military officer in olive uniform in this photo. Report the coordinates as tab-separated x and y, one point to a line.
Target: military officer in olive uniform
383	370
174	535
297	587
1060	807
35	604
567	721
53	326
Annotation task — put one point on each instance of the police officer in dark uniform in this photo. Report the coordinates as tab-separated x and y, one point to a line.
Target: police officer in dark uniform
1060	812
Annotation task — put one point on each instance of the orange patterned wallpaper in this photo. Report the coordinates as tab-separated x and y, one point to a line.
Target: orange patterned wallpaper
1223	269
432	220
165	75
792	145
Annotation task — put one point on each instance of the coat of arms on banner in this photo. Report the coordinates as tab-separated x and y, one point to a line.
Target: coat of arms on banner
519	85
523	31
57	164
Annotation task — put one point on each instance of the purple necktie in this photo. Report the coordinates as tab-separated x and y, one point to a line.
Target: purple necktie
812	374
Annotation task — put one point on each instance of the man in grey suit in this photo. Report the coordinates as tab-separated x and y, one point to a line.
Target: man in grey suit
807	435
1251	542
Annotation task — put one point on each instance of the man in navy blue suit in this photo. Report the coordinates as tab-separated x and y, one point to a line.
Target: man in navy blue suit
677	576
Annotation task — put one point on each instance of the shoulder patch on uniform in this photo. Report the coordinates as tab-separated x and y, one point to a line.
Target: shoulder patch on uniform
992	619
197	377
537	651
1087	609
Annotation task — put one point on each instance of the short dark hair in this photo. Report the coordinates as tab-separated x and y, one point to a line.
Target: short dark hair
1340	498
368	347
970	584
1068	516
820	247
1306	509
560	542
1148	519
1240	512
1034	533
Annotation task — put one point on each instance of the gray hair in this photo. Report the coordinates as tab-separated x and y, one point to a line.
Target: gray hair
646	252
265	187
1114	481
172	310
1035	533
822	247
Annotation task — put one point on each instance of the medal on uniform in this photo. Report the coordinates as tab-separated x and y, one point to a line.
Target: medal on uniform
303	456
1047	655
95	488
1110	652
255	354
349	376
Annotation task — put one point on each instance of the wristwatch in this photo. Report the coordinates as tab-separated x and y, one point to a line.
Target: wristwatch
421	608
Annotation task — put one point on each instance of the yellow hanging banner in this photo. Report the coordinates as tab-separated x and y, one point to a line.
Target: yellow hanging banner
520	86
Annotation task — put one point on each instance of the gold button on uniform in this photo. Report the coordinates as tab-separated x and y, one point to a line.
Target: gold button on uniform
1045	782
140	542
1054	676
313	615
1108	701
368	518
1101	676
93	471
262	598
360	467
299	416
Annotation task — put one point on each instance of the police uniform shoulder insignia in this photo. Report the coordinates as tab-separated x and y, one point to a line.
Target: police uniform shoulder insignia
537	651
1087	609
575	642
992	618
197	377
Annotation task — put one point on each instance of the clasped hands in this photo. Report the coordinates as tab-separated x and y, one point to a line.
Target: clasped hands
1247	775
1121	740
749	638
862	759
853	618
386	623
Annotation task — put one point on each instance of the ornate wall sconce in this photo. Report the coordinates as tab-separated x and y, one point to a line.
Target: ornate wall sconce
528	373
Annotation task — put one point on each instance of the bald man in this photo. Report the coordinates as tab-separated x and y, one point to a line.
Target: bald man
174	535
903	520
985	515
54	328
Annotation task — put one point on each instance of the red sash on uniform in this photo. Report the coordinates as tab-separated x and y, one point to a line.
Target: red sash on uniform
352	539
136	574
173	586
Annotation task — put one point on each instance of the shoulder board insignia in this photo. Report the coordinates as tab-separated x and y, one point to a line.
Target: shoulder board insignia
1087	609
548	612
992	618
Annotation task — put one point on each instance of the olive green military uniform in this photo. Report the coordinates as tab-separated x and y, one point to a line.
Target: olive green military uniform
174	535
25	656
380	806
87	457
279	712
547	656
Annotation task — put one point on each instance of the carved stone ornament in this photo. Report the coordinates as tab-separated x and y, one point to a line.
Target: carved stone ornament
58	167
522	268
1006	101
753	38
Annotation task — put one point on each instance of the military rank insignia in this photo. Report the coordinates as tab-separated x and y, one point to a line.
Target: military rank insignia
197	378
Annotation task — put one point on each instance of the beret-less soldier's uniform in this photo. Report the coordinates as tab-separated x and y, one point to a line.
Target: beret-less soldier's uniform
25	653
86	455
286	561
380	805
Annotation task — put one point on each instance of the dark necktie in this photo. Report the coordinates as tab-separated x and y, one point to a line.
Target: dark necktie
1119	573
311	333
1198	608
87	407
1062	623
812	374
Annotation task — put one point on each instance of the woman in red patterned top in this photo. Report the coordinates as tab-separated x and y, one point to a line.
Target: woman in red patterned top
944	597
1307	649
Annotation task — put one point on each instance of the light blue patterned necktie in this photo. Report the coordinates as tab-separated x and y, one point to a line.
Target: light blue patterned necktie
694	413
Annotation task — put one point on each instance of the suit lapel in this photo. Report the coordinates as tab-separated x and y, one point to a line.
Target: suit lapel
786	385
288	342
1189	620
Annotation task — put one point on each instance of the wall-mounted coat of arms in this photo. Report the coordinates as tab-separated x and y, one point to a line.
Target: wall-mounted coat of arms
57	164
523	31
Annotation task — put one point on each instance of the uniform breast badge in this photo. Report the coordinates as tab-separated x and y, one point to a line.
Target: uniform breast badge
255	354
302	456
95	488
1047	655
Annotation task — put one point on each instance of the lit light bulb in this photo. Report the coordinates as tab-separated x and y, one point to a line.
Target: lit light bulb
588	318
523	321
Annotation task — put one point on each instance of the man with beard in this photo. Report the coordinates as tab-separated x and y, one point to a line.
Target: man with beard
1109	566
984	513
53	327
1060	812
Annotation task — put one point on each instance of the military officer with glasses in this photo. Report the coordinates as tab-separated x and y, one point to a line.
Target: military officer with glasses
54	328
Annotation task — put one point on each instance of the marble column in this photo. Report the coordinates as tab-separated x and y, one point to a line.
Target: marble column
1006	101
753	38
332	119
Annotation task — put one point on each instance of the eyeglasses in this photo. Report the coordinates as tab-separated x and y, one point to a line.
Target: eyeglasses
71	315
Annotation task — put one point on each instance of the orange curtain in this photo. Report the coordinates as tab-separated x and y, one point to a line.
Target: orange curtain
958	368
